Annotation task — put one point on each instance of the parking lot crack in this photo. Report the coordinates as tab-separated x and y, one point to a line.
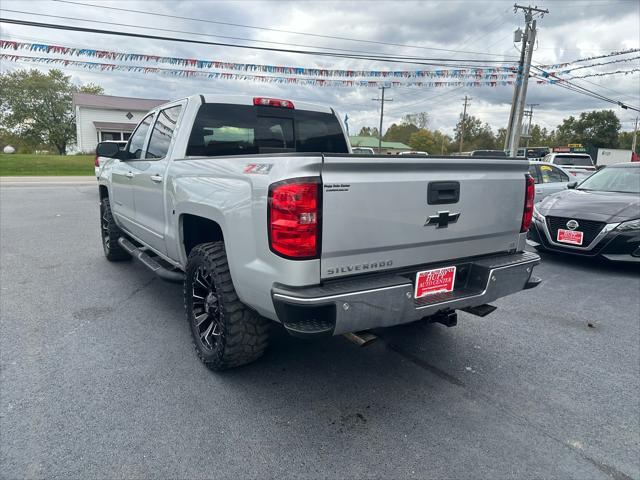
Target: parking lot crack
610	471
424	365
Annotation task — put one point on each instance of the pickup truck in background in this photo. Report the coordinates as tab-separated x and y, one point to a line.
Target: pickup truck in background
257	206
580	165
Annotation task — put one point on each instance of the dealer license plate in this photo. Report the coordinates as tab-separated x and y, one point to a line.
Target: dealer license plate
438	280
573	237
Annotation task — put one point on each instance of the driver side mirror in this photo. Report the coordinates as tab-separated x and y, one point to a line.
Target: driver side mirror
572	185
107	149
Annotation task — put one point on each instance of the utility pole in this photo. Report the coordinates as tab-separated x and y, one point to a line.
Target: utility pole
462	125
518	36
381	100
635	135
529	113
520	95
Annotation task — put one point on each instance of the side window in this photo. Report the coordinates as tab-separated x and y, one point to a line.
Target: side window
163	132
534	173
551	174
136	142
561	175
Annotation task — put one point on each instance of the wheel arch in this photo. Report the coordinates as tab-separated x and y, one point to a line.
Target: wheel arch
196	229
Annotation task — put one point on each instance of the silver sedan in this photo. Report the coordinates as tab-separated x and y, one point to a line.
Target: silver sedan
549	179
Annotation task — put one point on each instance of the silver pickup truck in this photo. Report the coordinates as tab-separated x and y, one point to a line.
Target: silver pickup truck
258	207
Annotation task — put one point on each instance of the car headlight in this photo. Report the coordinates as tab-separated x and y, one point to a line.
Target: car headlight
537	215
630	225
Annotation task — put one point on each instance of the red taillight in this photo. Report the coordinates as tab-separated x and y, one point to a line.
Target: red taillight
272	102
96	162
527	214
293	218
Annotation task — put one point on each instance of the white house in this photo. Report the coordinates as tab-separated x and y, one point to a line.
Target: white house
104	117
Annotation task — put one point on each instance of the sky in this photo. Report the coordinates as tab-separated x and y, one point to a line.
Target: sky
573	29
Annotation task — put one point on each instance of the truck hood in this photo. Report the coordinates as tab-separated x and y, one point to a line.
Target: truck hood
609	207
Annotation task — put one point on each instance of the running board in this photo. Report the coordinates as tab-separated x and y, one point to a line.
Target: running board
151	263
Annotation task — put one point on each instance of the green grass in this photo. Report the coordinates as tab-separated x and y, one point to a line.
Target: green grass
45	165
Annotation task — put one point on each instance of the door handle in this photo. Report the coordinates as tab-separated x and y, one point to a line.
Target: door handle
156	178
129	175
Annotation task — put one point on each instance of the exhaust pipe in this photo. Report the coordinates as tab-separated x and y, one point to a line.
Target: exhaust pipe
362	339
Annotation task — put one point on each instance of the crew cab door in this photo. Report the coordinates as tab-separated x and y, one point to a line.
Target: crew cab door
149	180
122	174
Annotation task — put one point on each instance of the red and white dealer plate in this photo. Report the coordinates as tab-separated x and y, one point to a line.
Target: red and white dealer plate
573	237
438	280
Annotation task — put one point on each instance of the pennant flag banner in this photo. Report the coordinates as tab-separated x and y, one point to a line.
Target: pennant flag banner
581	67
487	74
322	82
604	74
558	66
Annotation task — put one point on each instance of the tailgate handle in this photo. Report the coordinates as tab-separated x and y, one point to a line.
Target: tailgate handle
441	193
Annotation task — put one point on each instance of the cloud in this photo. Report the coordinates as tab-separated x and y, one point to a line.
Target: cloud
572	30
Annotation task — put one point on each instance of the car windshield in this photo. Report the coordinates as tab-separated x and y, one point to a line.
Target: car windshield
625	180
575	160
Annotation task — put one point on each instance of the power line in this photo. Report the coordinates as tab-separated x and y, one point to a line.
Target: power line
269	29
179	31
584	91
439	95
576	88
364	56
619	60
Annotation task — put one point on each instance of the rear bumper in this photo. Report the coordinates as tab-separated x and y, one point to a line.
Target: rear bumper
385	300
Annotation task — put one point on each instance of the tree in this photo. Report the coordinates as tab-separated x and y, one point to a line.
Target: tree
400	133
596	129
39	106
477	136
434	143
368	132
501	137
625	141
420	120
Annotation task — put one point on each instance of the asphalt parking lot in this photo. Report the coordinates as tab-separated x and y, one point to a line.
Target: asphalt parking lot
99	379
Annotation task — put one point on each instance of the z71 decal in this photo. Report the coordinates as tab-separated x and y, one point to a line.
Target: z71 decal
258	168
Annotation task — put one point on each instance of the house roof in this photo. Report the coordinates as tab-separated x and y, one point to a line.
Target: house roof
118	126
117	103
358	141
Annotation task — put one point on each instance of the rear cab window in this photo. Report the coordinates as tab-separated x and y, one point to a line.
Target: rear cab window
574	160
227	129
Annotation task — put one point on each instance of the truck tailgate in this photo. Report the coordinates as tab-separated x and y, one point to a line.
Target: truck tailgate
374	210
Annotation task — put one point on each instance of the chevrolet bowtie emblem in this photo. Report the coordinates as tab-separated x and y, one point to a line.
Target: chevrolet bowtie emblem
442	219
